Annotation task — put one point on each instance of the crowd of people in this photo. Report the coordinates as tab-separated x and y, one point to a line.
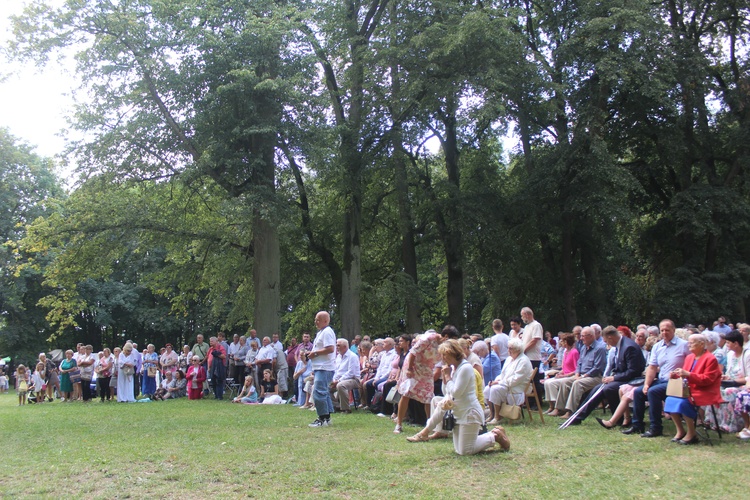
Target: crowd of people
445	383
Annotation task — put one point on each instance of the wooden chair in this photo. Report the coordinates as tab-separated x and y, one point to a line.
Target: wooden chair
531	391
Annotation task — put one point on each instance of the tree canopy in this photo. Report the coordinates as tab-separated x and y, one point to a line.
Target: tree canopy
249	162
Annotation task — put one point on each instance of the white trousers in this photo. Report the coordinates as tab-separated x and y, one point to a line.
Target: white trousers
466	440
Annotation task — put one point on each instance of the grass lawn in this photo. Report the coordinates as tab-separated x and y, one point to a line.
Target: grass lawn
200	449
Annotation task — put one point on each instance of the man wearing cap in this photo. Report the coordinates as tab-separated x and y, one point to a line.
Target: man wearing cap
667	355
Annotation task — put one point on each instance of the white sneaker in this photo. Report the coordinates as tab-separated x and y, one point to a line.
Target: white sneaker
320	423
744	433
380	415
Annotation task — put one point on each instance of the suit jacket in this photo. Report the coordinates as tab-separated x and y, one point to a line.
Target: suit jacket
630	362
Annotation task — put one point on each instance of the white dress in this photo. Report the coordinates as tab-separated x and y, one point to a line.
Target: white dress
125	382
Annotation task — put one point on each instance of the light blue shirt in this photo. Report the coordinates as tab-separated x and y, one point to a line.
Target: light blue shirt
592	360
668	356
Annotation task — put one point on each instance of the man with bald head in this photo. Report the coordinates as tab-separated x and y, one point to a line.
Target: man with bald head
323	358
668	354
567	392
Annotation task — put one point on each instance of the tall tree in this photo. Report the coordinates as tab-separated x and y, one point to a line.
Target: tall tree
176	93
28	190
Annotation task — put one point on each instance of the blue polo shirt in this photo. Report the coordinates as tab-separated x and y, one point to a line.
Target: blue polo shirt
668	355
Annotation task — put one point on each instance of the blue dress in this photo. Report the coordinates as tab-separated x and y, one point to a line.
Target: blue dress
148	384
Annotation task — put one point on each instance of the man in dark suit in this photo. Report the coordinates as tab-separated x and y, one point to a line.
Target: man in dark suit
629	365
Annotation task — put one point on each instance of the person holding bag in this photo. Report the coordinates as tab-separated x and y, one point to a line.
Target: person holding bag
459	380
702	375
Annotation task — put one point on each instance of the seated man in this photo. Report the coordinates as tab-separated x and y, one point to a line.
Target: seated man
629	364
667	355
346	376
567	392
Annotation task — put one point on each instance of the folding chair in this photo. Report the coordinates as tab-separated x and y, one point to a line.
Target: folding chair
531	391
231	388
703	430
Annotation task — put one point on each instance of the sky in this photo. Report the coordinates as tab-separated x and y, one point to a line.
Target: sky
33	101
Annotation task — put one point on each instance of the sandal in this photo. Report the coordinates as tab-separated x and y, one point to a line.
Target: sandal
417	438
438	435
397	430
501	438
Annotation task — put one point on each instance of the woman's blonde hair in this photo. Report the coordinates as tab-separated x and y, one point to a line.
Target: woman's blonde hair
464	343
127	348
452	348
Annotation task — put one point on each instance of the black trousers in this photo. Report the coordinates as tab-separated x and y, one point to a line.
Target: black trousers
86	389
104	391
610	393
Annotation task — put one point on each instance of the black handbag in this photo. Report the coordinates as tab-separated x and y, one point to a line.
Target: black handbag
449	421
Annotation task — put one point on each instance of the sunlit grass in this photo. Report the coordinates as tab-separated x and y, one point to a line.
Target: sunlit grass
199	449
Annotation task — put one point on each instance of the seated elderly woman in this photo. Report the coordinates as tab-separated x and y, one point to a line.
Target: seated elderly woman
703	376
459	382
509	386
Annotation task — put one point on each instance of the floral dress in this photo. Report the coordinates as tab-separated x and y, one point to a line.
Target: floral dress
424	355
727	415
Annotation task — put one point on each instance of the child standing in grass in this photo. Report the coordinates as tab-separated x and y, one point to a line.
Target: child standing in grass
22	384
37	381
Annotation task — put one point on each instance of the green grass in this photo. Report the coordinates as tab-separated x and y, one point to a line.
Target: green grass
200	449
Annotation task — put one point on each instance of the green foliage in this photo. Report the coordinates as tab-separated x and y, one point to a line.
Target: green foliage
219	126
28	191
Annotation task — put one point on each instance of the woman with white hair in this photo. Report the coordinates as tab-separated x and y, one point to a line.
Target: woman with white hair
509	386
125	372
702	374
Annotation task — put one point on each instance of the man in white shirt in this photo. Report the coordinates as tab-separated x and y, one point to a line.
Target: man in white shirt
323	358
346	376
532	336
276	343
266	357
499	342
231	351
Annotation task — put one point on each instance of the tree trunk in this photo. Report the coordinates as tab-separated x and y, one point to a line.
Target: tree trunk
266	277
568	279
408	250
452	237
351	323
